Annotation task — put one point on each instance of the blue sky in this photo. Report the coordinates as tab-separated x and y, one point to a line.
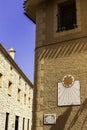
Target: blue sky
18	32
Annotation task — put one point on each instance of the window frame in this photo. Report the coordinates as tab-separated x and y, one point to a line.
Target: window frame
60	19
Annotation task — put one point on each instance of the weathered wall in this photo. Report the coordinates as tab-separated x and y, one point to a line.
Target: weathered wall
46	23
9	103
58	54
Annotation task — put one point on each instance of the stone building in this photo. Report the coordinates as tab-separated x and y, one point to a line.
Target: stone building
60	85
16	93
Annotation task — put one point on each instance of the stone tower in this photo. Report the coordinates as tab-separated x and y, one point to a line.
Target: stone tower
60	85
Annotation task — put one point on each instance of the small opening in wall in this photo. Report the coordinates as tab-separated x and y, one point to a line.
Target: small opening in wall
9	88
25	86
0	80
29	101
19	80
25	99
18	95
19	77
11	67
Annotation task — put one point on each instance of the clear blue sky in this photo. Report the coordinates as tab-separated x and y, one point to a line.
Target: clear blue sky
18	32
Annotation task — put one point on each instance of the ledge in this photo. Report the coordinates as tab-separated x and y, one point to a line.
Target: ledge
30	7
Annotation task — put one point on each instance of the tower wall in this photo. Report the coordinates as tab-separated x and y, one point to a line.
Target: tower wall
58	54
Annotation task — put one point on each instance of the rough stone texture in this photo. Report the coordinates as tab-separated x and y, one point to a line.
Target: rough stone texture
9	103
58	54
76	66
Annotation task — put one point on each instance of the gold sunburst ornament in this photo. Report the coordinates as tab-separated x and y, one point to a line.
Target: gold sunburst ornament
68	81
68	91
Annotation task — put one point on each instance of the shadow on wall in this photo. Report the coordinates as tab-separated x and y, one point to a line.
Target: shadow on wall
78	114
61	121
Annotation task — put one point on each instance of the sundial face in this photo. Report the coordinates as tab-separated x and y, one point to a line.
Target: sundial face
68	91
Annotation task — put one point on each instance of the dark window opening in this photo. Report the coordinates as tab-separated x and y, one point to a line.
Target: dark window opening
16	122
23	123
67	15
28	124
0	80
18	94
11	67
9	88
7	119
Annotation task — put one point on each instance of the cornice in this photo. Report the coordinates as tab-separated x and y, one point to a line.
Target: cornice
30	7
9	58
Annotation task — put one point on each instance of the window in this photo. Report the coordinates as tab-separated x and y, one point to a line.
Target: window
16	122
67	15
25	99
19	77
28	124
18	94
25	86
9	88
0	80
29	100
11	67
19	80
7	119
23	123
